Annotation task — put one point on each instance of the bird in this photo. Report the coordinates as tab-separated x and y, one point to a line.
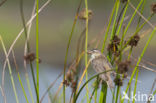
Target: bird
100	64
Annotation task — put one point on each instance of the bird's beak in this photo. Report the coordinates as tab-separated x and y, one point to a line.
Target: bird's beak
89	51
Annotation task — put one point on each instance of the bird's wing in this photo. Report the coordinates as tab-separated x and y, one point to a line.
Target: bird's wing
101	65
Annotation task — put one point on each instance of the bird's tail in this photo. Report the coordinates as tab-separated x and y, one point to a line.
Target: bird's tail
110	83
107	78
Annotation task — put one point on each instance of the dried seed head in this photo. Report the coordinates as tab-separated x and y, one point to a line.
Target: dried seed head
134	41
153	8
113	46
65	82
74	85
123	66
116	40
82	14
118	81
30	57
70	76
123	1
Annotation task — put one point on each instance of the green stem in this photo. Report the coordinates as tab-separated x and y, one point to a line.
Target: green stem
139	20
29	87
10	71
37	48
92	95
22	87
28	48
86	45
67	49
103	93
126	29
89	81
113	97
129	94
131	50
95	91
135	84
136	32
114	24
65	61
123	17
130	53
96	88
154	92
117	94
109	24
139	60
19	77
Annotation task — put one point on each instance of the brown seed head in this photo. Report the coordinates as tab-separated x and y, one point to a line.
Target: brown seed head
70	76
118	81
123	66
30	57
153	8
74	85
65	82
123	1
82	14
113	46
116	40
134	41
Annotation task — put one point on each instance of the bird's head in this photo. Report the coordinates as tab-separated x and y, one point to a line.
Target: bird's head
94	53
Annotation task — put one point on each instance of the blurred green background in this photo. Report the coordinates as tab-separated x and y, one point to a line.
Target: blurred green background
55	23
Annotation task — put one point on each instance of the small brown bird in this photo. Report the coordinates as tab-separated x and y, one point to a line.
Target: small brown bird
101	64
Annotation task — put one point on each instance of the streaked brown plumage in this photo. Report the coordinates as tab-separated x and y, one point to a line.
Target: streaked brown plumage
101	64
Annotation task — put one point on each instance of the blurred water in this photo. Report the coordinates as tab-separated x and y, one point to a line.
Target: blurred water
48	75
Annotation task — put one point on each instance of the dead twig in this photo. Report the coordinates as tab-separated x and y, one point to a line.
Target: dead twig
18	36
142	16
2	2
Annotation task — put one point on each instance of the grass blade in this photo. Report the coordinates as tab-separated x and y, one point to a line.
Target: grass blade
89	81
139	60
108	28
37	50
19	77
103	93
126	29
86	46
10	70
